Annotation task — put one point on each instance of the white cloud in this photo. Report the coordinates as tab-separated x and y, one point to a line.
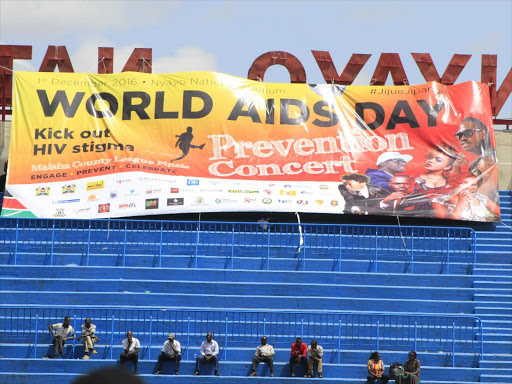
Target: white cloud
58	19
184	60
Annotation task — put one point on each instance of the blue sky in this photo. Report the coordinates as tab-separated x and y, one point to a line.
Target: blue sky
227	36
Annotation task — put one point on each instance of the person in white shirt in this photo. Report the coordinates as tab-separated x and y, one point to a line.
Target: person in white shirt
88	337
315	353
209	352
131	346
171	350
61	332
264	354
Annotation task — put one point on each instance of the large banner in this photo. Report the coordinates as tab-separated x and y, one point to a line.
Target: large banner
131	144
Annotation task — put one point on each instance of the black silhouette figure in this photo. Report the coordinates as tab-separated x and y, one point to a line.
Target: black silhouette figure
184	142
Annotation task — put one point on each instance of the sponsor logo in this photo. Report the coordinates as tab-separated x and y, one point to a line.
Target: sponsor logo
249	200
266	200
42	191
151	203
192	182
127	205
319	202
199	200
284	201
100	184
268	191
71	188
302	202
59	212
175	190
113	194
146	179
306	193
242	191
287	193
334	203
271	185
81	211
104	208
152	191
66	201
131	192
122	181
225	201
211	190
287	186
92	198
323	186
175	201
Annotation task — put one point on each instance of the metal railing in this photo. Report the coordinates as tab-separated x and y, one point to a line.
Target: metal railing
269	242
343	330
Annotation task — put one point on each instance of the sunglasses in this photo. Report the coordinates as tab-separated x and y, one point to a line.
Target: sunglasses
467	133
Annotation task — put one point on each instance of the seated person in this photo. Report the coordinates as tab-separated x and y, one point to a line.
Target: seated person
315	353
412	369
264	354
88	337
376	369
61	332
171	350
131	346
299	356
209	352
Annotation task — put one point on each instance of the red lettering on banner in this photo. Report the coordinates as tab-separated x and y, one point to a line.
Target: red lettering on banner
56	57
290	62
429	71
498	98
141	61
349	74
9	53
105	60
389	63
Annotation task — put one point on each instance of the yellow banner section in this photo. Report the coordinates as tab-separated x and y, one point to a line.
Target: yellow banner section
122	144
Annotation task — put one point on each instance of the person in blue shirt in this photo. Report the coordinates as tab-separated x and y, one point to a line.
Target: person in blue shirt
209	351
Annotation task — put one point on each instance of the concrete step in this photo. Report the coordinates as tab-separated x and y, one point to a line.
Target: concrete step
245	263
505	300
496	364
485	378
229	368
492	271
67	378
493	307
240	275
499	285
352	356
234	300
312	289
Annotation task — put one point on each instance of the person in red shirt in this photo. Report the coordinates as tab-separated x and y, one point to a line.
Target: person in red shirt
299	356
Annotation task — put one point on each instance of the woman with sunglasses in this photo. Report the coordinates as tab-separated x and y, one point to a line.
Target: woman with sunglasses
465	203
475	137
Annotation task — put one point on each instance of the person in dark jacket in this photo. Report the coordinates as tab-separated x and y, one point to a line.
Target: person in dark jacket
361	198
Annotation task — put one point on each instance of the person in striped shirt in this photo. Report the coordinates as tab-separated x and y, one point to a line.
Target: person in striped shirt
376	369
